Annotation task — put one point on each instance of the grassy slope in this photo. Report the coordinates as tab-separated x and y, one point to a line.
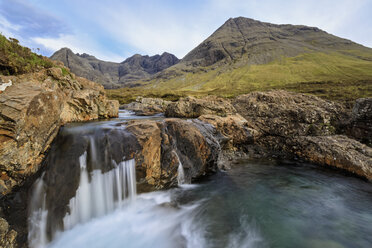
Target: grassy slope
16	59
345	75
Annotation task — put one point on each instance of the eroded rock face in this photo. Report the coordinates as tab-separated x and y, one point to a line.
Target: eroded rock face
234	128
191	107
285	114
147	106
31	111
166	144
336	151
305	126
360	126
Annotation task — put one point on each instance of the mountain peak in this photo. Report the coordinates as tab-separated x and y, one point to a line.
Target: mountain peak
259	42
110	74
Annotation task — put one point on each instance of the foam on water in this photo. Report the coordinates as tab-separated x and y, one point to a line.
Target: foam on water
98	194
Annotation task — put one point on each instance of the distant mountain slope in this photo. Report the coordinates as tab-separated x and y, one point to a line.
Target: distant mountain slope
245	55
114	75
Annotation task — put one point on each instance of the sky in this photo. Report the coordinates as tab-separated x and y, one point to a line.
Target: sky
113	30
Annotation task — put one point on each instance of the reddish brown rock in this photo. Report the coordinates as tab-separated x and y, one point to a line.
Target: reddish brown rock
31	111
164	145
234	127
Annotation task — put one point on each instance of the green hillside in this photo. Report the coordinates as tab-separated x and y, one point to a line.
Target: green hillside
334	76
16	59
246	55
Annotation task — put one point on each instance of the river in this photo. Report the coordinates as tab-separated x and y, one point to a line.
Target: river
258	203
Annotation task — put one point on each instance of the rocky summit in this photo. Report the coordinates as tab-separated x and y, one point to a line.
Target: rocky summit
114	75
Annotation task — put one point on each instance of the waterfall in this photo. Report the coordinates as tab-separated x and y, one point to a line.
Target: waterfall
102	194
38	216
97	195
180	171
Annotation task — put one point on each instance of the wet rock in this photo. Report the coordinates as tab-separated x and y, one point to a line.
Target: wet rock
31	111
164	145
191	107
147	106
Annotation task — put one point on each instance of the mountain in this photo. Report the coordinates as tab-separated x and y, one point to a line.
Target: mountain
114	75
244	55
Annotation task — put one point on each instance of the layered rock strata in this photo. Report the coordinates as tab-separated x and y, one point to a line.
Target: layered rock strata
31	111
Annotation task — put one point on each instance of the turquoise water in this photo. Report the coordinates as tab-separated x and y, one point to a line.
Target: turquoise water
255	204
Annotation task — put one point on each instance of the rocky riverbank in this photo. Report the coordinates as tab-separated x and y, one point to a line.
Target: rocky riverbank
283	124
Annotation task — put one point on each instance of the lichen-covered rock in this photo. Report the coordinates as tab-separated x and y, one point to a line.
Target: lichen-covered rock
305	126
360	126
7	236
191	107
234	128
147	106
31	111
336	151
285	114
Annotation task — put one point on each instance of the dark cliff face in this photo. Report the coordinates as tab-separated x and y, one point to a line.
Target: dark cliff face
114	75
261	42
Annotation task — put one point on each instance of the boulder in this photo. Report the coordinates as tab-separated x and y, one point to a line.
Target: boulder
292	124
360	126
147	106
286	114
31	111
191	107
164	145
234	128
336	151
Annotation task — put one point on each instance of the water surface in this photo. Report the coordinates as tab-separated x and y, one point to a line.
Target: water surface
255	204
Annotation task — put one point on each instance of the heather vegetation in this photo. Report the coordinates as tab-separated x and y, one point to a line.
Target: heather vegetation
16	59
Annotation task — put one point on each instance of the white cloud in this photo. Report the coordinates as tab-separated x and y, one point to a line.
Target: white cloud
149	28
78	44
154	30
8	29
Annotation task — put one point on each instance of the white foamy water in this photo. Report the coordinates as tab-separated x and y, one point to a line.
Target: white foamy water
150	221
38	216
98	194
180	171
102	194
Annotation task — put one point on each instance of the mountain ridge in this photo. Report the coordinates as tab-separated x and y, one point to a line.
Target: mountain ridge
112	74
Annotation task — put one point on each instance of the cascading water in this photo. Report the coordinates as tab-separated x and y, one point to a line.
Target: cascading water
38	216
102	194
180	171
90	185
